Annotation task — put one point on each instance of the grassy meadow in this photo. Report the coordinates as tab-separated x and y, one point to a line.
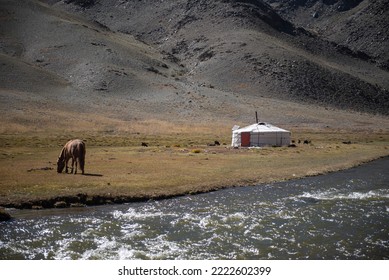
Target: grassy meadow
119	169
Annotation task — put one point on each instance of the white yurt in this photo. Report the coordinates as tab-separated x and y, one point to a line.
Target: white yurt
259	135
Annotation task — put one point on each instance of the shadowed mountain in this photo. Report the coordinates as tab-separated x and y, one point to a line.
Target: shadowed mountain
162	57
246	47
360	27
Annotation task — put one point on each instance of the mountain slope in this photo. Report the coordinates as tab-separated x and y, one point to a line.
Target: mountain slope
359	25
52	59
110	65
246	47
84	53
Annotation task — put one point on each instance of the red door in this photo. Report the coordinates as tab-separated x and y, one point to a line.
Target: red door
245	139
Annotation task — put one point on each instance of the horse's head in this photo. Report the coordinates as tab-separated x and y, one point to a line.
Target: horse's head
60	165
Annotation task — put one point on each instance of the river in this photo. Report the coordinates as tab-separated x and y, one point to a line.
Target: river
342	215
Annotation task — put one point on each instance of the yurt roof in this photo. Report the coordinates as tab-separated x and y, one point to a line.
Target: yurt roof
260	127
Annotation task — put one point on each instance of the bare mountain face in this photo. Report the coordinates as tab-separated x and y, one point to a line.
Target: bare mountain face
248	48
362	26
156	53
52	59
82	52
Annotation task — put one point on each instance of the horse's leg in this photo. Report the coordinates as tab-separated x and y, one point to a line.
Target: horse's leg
75	170
72	165
82	164
66	165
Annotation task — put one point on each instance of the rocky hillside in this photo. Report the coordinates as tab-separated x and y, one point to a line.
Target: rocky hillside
250	48
359	26
157	53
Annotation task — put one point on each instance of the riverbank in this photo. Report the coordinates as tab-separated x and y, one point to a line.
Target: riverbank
4	215
119	169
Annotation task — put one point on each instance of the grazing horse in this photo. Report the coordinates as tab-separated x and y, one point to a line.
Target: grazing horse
75	150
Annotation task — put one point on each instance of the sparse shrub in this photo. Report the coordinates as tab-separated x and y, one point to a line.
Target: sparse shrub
154	70
206	55
196	151
82	3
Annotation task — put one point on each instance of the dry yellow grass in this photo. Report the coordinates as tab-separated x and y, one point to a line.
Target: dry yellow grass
182	163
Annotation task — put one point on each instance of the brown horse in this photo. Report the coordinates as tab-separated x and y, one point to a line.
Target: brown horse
75	150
